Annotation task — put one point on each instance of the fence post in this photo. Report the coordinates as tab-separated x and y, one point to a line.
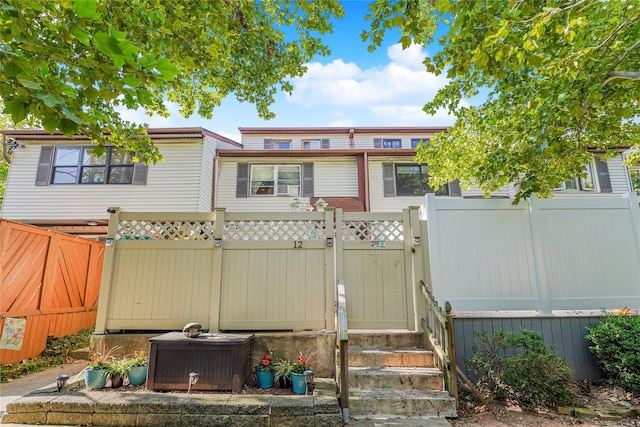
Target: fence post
412	324
107	271
542	283
330	271
453	369
216	274
418	260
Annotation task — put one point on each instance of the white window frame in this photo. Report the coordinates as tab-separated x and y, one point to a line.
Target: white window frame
80	165
390	142
581	184
311	144
416	141
292	190
282	144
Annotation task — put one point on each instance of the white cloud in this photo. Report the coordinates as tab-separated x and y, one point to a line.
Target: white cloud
140	116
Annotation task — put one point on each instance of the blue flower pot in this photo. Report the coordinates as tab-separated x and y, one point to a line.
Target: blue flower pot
265	379
137	375
298	383
95	379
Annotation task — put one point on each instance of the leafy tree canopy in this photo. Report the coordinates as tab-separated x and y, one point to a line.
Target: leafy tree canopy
72	63
563	78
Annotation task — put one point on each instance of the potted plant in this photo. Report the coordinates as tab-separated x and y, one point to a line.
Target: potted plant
138	367
265	371
95	375
282	372
117	369
298	368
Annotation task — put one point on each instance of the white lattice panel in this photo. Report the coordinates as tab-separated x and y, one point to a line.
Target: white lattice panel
274	230
165	230
373	230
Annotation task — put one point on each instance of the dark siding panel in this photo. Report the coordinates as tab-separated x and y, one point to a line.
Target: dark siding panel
603	176
565	334
455	189
140	173
268	144
44	165
307	180
377	142
242	180
325	143
388	181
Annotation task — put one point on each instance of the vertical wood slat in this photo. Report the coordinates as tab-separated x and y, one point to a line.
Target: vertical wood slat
26	269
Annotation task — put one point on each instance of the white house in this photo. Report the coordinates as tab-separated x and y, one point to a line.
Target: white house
358	169
54	182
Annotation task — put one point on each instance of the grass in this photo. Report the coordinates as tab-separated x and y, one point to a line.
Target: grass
56	353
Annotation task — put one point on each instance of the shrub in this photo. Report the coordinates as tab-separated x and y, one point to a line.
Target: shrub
532	374
616	347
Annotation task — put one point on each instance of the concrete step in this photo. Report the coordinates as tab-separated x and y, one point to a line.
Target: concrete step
406	357
386	339
398	378
401	403
380	421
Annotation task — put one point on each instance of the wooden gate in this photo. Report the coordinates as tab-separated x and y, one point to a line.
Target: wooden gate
374	257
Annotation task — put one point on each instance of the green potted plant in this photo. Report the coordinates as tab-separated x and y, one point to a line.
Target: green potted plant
282	372
298	368
117	369
138	367
95	375
265	371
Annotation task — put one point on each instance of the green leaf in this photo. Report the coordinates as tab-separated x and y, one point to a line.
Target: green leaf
50	100
29	84
50	122
132	81
18	108
86	9
72	116
107	44
82	36
44	69
166	68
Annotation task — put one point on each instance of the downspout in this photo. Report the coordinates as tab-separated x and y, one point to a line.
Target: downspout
367	207
352	143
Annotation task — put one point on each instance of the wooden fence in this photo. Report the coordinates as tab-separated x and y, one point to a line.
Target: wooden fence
50	279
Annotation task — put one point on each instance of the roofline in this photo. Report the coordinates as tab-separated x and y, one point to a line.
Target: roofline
332	152
341	130
186	132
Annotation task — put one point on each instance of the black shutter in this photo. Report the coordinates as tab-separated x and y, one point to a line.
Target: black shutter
603	176
242	181
377	142
268	144
140	173
43	172
454	188
388	180
307	180
325	143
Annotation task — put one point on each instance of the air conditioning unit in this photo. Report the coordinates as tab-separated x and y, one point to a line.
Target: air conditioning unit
293	190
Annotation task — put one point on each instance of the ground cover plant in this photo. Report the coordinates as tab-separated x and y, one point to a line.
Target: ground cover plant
56	352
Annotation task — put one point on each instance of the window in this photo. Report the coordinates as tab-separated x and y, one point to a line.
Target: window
634	175
311	144
413	180
416	141
279	180
581	183
391	143
78	165
281	145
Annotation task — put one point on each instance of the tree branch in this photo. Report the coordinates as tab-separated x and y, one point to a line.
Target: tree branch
625	75
635	45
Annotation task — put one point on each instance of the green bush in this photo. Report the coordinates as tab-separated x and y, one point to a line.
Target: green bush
616	347
520	367
56	352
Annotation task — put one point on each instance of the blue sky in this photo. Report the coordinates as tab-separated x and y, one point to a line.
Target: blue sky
352	87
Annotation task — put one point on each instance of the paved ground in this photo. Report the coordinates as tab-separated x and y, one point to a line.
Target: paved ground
17	388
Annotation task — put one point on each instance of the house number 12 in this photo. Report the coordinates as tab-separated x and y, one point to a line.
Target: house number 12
297	244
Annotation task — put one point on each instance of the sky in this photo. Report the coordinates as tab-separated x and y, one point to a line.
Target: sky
351	87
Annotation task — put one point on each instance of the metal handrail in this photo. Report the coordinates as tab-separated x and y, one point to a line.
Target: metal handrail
438	325
343	345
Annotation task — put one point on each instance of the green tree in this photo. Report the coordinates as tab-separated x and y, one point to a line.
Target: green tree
73	63
563	79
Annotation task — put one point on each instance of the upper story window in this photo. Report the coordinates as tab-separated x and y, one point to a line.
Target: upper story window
311	144
275	180
281	145
581	183
416	141
79	165
413	180
391	143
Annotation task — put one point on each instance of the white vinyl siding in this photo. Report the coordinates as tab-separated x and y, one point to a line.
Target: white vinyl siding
380	203
333	177
172	186
618	175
